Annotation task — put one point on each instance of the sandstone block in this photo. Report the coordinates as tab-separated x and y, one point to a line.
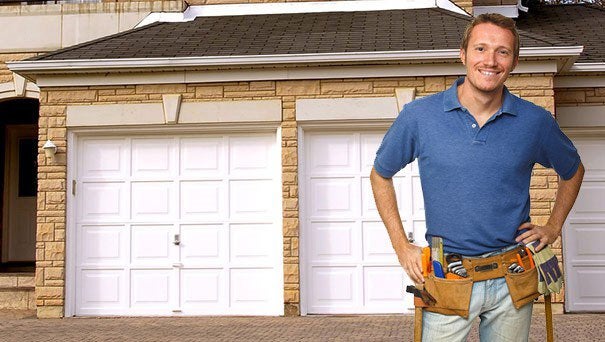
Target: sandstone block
529	82
539	182
54	273
262	85
47	292
71	96
45	232
55	197
54	251
570	96
160	88
290	204
346	87
298	88
289	156
208	91
291	273
434	84
542	194
290	226
291	296
50	311
14	300
51	185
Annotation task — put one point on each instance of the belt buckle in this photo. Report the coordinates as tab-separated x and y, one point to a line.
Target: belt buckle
487	267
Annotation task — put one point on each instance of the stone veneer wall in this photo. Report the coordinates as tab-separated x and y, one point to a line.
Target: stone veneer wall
50	246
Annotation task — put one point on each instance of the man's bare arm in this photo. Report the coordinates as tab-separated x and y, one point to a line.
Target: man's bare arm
386	202
566	197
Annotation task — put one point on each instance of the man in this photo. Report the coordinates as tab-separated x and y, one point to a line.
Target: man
476	145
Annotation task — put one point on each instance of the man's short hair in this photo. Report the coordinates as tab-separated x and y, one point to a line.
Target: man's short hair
496	19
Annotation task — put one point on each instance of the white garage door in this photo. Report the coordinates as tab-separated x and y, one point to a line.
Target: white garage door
349	264
584	234
178	225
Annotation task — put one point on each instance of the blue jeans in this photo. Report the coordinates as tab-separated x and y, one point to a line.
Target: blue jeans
490	301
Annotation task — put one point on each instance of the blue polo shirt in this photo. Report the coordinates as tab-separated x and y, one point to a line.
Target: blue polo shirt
475	181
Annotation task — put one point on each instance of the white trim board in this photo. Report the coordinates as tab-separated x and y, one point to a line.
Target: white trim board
581	116
188	113
579	81
277	73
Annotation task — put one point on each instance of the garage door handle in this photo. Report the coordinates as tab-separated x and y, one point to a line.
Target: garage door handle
177	239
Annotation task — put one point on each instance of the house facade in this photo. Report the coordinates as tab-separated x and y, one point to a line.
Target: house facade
216	161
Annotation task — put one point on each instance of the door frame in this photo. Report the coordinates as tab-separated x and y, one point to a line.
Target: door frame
74	134
10	130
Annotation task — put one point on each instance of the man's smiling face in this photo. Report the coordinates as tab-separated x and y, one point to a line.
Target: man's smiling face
489	57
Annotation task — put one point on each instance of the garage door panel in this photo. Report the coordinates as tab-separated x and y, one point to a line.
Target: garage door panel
102	290
203	200
587	243
590	202
153	158
593	157
152	201
102	245
203	288
104	202
251	155
159	296
384	288
104	158
202	157
202	244
332	154
252	290
335	241
369	145
152	245
250	244
376	244
334	198
333	287
589	292
251	199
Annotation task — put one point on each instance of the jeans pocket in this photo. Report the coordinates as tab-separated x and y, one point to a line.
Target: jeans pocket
523	287
452	296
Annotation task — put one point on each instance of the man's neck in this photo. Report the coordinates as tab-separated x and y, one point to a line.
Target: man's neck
481	105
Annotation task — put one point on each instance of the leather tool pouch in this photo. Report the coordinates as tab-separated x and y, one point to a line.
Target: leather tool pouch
523	287
453	297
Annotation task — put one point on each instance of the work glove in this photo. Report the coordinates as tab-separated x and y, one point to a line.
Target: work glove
550	277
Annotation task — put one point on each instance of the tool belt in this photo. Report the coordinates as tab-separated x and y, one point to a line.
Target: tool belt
453	296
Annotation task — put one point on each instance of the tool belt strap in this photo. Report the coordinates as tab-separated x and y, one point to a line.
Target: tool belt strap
492	267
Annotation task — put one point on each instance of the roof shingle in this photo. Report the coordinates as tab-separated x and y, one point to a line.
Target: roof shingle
277	34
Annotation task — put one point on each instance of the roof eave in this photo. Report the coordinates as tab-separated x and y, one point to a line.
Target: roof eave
587	67
30	69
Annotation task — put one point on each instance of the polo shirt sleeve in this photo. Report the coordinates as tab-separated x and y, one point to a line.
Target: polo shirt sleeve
557	151
398	147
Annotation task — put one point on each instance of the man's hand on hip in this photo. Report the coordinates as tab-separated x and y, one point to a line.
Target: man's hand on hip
546	234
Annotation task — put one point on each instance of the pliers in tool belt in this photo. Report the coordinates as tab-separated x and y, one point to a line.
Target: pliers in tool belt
422	294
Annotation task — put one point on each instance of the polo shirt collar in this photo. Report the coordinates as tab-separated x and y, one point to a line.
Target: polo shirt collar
451	102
